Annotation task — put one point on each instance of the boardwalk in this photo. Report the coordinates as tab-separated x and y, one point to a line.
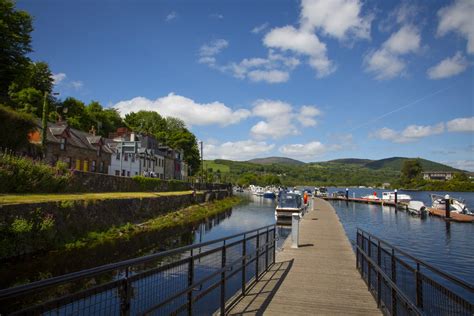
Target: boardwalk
319	278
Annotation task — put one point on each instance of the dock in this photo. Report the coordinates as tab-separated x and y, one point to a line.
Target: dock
455	217
318	278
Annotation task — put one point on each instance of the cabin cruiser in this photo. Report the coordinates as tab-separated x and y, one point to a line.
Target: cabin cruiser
390	197
269	194
289	203
321	192
456	205
371	197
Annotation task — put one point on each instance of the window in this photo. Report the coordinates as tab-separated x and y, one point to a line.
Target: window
144	162
136	173
78	164
117	172
123	173
86	165
98	150
125	157
133	157
69	162
93	166
101	167
62	143
128	173
117	156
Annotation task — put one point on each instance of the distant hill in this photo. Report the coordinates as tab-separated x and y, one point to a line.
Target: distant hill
276	160
353	161
395	163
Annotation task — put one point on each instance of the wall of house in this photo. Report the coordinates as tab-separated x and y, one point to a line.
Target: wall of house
78	158
131	166
44	226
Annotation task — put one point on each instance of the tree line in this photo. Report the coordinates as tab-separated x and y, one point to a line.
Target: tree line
26	85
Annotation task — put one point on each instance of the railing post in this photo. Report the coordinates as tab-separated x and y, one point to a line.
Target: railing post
379	279
369	265
295	223
258	255
394	279
357	251
244	264
266	250
125	293
274	244
190	282
419	287
223	279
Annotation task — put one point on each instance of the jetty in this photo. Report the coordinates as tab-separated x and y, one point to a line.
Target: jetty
319	277
455	217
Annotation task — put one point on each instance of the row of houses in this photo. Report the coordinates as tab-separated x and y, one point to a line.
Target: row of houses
124	153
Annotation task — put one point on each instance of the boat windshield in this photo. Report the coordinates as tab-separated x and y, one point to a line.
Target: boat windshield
290	201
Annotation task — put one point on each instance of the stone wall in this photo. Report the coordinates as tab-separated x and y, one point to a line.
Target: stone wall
26	228
96	182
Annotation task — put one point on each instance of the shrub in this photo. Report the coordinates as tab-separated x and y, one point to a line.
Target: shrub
15	128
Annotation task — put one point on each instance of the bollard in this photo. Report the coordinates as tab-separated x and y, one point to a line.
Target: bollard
347	193
295	223
447	206
396	197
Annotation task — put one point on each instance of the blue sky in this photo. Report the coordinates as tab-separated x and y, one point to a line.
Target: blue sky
311	80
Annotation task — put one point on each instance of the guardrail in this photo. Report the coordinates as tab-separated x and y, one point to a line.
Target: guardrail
202	279
405	285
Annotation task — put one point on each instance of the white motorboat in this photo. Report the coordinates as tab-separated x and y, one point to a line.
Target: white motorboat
416	207
289	203
371	197
390	197
456	205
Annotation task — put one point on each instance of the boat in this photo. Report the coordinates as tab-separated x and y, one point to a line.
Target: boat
321	192
339	194
390	197
289	203
456	205
416	208
269	195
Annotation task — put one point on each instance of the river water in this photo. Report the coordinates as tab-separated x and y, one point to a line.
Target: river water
448	246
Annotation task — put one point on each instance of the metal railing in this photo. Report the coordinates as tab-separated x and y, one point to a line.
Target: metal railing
405	285
196	279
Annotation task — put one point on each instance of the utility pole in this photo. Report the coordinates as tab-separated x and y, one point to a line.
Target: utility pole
202	164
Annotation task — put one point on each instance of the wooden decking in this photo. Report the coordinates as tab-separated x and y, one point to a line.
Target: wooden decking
319	278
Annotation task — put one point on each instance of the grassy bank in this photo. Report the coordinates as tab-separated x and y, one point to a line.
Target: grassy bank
180	218
38	198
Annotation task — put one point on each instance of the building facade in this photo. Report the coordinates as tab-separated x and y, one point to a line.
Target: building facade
438	175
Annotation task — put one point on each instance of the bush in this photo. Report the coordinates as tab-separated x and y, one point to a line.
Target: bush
15	128
24	175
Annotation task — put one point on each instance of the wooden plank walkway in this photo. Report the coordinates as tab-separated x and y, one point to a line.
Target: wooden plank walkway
319	278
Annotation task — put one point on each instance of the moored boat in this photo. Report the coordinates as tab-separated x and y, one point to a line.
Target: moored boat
416	207
269	195
289	203
456	205
390	197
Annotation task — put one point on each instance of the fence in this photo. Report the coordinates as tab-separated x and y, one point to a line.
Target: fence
404	285
196	279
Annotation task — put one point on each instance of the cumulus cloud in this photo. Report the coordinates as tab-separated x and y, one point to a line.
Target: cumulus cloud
409	134
465	124
387	62
191	112
239	150
461	164
449	67
280	117
336	18
207	52
58	78
171	16
458	18
308	150
77	85
259	28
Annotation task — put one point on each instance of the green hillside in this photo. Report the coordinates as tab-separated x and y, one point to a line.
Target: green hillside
395	163
354	161
276	160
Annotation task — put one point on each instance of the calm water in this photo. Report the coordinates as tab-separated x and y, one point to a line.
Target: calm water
448	246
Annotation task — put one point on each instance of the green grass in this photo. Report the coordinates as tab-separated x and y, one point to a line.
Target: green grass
216	166
37	198
183	217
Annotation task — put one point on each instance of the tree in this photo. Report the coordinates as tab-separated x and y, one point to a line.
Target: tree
105	120
15	44
411	170
148	122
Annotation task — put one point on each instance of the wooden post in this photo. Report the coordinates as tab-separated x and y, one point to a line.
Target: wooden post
447	206
347	193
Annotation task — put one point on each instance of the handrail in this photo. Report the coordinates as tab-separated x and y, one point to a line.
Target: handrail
26	288
460	282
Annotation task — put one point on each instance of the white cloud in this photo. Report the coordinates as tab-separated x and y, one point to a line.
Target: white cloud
259	28
58	78
239	150
308	150
171	16
337	18
458	17
409	134
270	76
217	16
280	117
77	85
191	112
213	48
461	164
448	67
465	124
387	62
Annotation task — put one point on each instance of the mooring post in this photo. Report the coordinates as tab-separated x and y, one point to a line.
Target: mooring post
448	206
295	223
396	199
347	193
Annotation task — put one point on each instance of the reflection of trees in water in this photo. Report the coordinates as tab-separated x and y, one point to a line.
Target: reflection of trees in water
30	268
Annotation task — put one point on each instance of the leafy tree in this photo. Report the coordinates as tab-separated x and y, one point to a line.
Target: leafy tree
148	122
105	120
28	100
15	44
411	170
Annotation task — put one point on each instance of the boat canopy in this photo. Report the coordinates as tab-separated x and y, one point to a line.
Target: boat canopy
290	200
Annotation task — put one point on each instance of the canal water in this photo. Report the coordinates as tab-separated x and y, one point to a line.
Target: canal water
448	246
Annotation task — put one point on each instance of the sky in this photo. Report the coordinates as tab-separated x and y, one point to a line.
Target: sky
310	80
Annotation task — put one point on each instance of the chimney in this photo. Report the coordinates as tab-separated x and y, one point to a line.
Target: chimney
132	136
